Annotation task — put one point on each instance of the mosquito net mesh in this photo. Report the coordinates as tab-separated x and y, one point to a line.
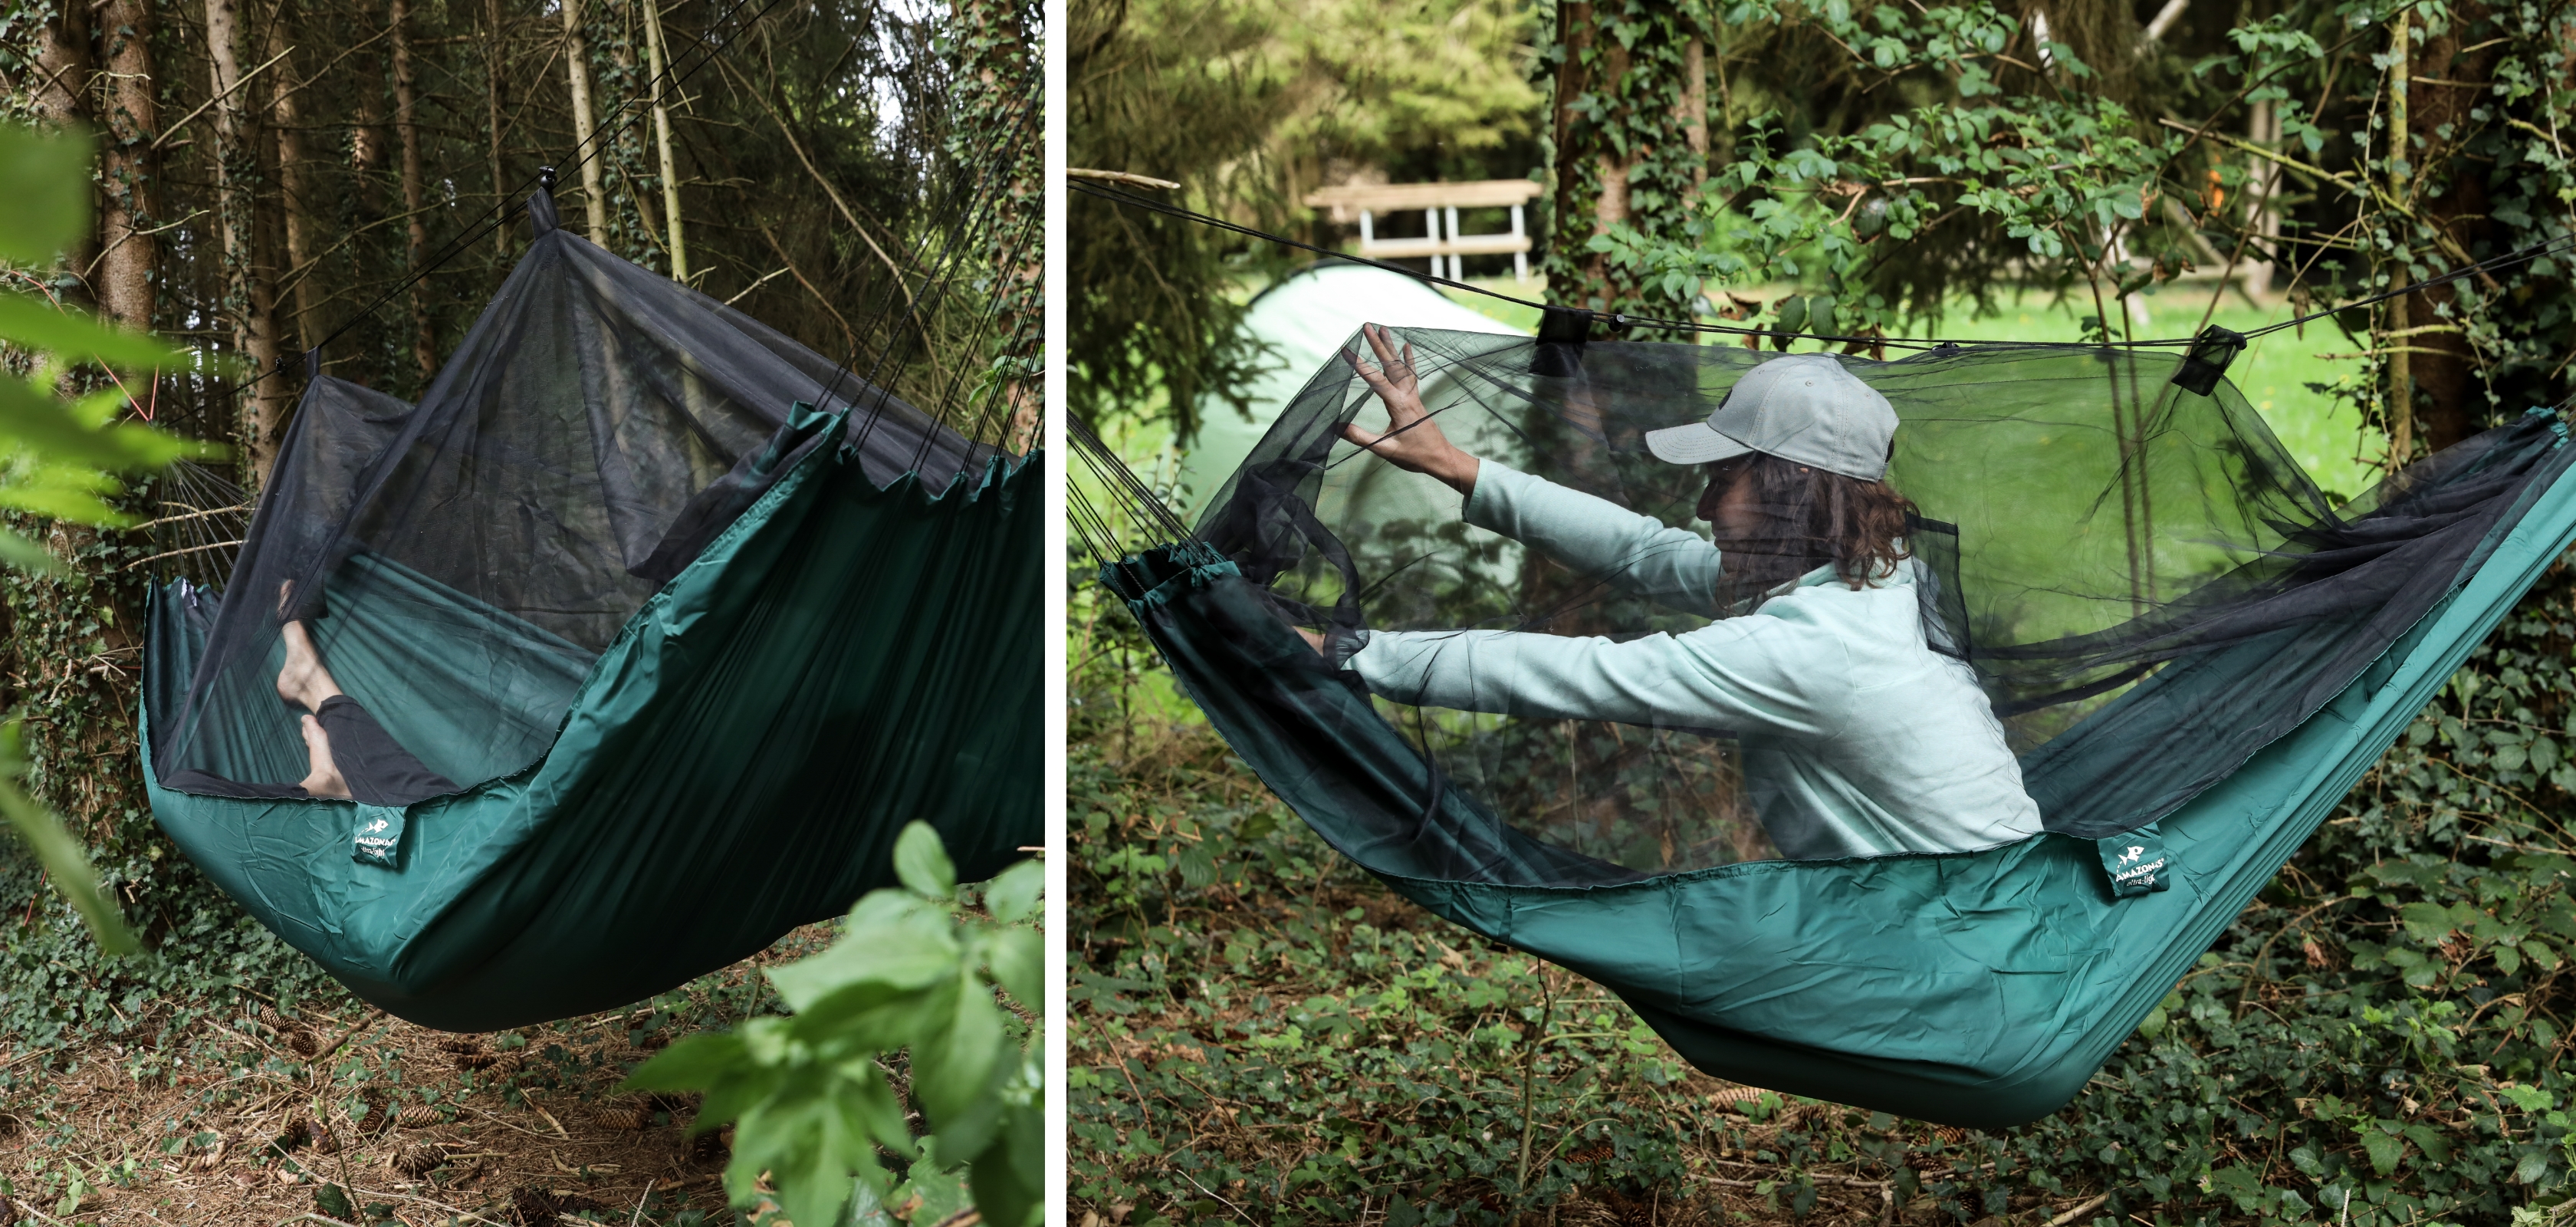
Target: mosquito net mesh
461	563
2101	592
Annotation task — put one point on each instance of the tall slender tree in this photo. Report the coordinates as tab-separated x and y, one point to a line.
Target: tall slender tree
128	164
664	160
414	192
1630	125
294	197
58	96
585	129
248	301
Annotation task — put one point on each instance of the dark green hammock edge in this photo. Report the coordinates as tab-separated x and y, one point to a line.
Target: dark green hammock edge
1979	989
840	661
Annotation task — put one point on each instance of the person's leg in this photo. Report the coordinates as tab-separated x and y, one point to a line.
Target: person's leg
373	767
350	755
307	684
304	681
324	779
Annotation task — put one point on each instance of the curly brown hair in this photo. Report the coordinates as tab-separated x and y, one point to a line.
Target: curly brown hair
1810	518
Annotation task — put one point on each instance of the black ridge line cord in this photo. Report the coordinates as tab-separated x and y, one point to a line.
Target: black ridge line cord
1091	188
914	257
500	212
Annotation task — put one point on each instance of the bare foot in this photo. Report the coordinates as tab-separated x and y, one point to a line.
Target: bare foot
304	681
324	779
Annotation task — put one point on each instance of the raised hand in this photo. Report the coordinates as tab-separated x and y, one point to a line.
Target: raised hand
1413	441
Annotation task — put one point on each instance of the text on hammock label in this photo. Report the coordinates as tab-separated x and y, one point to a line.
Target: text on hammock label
2136	862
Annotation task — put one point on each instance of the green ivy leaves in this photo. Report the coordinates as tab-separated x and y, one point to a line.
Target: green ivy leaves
809	1101
58	456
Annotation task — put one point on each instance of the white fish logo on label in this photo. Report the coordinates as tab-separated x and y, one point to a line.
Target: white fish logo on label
2135	851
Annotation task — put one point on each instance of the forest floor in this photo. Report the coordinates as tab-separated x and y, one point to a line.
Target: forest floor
355	1117
1260	1033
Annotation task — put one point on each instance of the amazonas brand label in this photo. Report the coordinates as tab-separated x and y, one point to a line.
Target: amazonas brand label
2136	862
379	837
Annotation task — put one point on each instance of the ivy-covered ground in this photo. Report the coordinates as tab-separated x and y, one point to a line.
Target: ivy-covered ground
1262	1034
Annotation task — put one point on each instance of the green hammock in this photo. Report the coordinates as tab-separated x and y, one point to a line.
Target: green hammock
1979	989
737	763
684	622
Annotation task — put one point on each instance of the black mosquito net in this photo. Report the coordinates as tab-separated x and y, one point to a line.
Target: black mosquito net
2112	590
462	562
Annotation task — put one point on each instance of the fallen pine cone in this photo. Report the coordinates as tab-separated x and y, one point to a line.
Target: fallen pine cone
476	1060
420	1116
625	1120
325	1142
377	1116
1735	1096
296	1133
460	1043
419	1160
302	1042
212	1158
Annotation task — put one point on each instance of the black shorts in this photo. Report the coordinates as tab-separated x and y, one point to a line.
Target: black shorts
378	770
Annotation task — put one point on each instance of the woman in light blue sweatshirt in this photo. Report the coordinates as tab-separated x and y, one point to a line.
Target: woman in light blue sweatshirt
1859	740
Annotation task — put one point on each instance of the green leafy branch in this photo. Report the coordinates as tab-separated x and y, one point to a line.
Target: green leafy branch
812	1107
60	453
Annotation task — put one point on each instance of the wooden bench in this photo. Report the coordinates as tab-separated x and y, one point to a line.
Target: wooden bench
1438	202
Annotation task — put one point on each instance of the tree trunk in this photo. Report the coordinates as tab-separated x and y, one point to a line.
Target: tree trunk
998	59
367	141
1618	142
1693	112
246	294
1568	265
424	344
128	165
584	129
62	76
492	53
628	142
294	183
667	165
2451	398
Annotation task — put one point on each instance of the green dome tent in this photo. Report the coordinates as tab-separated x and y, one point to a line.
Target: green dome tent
697	620
1299	321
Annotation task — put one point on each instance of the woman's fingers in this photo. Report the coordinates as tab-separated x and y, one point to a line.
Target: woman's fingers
1376	338
1396	363
1370	375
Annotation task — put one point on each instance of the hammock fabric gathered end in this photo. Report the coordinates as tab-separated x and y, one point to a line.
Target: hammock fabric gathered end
681	622
2190	649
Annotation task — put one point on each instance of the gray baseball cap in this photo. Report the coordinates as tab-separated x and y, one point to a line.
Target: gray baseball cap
1801	407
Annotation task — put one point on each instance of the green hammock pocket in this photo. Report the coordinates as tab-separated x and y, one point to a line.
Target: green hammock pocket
1980	988
693	652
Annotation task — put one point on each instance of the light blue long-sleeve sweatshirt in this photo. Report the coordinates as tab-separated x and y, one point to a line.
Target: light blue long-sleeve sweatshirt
1859	740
